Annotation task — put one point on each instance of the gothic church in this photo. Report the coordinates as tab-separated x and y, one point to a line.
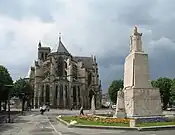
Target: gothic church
63	80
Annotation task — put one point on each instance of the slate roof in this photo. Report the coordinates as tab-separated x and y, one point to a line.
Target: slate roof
62	49
87	61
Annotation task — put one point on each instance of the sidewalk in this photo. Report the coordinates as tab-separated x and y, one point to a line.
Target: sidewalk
4	115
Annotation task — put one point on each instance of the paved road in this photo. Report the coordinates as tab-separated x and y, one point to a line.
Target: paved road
36	124
4	115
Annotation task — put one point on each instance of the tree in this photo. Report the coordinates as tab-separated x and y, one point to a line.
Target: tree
5	79
164	84
23	90
114	88
172	92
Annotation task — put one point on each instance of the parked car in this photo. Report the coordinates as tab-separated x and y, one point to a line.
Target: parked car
113	106
170	109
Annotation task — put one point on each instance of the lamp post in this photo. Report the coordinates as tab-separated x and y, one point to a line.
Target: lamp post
9	86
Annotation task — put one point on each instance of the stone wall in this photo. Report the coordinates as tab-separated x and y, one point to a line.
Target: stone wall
128	71
142	102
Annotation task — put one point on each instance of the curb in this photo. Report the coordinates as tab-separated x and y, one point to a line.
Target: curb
153	128
64	122
105	127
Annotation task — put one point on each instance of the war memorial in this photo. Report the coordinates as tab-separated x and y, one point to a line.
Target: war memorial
138	103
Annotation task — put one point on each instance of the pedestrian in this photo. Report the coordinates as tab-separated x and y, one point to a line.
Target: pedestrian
72	107
81	111
43	109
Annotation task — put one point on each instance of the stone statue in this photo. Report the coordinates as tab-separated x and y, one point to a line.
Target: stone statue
120	106
93	104
135	30
136	41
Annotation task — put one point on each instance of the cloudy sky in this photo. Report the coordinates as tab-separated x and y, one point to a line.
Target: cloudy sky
99	27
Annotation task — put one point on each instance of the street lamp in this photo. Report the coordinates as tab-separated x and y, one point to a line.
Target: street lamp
9	86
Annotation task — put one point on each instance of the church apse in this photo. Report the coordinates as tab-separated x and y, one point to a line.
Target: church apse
66	79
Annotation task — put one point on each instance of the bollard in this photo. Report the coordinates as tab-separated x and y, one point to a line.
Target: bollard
132	123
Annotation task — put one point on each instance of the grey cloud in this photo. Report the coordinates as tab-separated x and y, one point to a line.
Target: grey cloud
20	9
138	13
107	61
107	75
9	37
162	64
18	71
164	29
107	27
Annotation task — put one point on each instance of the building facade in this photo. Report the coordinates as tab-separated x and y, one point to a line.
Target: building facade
63	80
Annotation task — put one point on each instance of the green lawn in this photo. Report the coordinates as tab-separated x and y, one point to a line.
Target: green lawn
87	122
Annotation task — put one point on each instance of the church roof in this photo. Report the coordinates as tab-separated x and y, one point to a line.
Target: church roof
87	61
61	48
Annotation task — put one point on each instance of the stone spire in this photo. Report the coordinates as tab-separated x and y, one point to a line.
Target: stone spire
136	41
39	44
60	37
95	59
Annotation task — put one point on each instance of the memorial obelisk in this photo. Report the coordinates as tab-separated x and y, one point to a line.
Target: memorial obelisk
140	98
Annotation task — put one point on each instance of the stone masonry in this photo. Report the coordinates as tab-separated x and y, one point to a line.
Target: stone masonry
140	98
63	80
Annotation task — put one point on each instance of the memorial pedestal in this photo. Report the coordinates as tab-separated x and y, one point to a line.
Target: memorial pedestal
140	98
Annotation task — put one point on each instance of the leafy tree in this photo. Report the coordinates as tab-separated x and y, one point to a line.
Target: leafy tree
154	83
23	90
172	92
5	79
114	88
164	84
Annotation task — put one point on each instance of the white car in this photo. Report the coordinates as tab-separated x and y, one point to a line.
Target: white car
113	106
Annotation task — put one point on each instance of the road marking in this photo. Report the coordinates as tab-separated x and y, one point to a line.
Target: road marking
59	133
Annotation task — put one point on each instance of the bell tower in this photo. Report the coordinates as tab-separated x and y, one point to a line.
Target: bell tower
43	52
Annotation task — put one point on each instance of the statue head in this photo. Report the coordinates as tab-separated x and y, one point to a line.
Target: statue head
135	30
